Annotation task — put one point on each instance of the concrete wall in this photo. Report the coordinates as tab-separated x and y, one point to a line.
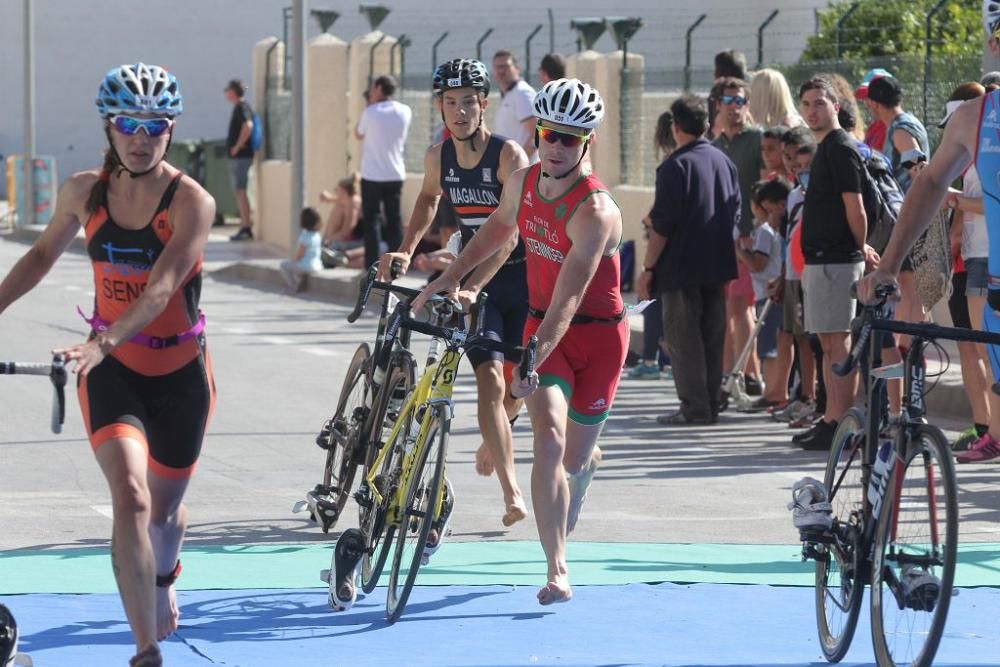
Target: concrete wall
338	74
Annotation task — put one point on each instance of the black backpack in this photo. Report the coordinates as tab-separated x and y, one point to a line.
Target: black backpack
883	199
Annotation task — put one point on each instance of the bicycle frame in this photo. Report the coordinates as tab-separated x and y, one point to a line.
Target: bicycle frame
435	387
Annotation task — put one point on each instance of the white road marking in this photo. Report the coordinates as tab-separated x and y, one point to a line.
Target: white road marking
320	351
276	340
103	510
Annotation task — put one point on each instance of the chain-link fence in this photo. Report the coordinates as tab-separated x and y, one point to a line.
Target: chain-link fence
415	92
926	85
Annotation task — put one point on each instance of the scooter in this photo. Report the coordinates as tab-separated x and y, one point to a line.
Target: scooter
734	391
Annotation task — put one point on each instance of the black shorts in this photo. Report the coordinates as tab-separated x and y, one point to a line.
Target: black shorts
958	303
506	312
167	413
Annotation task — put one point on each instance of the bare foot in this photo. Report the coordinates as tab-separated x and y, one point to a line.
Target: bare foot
484	461
166	612
150	657
555	591
515	512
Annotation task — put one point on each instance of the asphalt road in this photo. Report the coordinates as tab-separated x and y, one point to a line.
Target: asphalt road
279	361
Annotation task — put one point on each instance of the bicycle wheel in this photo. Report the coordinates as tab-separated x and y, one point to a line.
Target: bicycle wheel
344	435
424	496
371	517
916	547
839	586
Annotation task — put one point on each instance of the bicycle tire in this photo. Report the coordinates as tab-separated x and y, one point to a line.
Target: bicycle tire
895	623
426	485
839	605
348	419
371	519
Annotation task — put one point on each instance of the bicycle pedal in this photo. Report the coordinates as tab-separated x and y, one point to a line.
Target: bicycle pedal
300	506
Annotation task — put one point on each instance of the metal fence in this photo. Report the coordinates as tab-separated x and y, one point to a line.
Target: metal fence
926	85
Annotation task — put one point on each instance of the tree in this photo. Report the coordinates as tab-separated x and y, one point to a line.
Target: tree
880	28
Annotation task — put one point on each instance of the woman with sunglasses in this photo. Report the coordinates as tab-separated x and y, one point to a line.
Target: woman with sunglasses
144	378
572	230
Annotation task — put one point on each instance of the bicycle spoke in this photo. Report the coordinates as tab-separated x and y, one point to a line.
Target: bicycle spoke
915	554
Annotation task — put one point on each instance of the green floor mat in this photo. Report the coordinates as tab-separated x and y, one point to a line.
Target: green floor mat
465	563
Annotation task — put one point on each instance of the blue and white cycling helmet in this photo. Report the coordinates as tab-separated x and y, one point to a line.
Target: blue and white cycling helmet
139	88
991	16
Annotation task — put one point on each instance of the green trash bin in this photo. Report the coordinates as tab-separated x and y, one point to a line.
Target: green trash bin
185	155
216	177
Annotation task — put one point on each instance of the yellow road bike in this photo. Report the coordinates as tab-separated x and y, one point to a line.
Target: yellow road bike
403	494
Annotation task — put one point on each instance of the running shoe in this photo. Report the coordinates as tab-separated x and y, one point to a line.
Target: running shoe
965	439
753	386
920	588
764	405
985	449
243	235
644	371
811	509
794	410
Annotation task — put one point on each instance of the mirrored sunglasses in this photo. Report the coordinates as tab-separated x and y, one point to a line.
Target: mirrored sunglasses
128	125
738	100
568	139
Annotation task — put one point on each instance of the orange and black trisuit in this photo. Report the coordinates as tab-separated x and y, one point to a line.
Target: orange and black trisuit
157	387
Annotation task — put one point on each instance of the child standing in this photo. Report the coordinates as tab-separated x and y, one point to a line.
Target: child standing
307	253
762	255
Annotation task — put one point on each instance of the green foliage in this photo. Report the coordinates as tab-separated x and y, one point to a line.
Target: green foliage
880	28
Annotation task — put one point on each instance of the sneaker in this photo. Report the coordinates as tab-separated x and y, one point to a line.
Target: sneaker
811	509
753	386
820	438
809	428
644	371
805	421
667	372
245	234
920	588
805	410
782	413
763	405
965	439
985	448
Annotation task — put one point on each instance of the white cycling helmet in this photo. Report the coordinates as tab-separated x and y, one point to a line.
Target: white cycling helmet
570	102
991	16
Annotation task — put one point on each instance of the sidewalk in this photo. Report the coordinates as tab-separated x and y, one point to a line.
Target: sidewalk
258	263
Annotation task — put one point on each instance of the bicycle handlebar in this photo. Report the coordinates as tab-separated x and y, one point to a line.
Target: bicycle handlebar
870	322
526	352
56	372
369	283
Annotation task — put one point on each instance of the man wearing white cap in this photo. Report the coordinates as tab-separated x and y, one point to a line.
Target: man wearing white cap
970	137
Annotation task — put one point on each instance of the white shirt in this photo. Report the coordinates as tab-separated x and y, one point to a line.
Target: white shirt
384	126
765	242
975	242
311	243
516	105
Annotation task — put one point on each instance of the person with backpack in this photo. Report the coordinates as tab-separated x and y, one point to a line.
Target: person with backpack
242	140
834	244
